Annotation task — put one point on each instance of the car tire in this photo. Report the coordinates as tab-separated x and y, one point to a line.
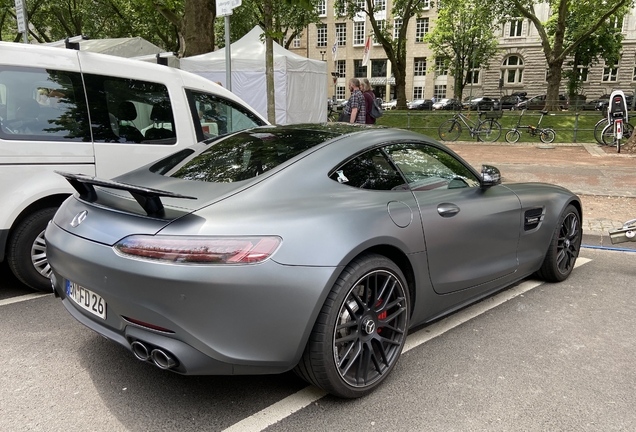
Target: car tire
361	329
564	247
27	250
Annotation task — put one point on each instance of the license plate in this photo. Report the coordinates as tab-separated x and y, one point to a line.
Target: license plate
86	299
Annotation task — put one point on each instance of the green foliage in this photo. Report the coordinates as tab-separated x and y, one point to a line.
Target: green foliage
290	18
464	33
52	20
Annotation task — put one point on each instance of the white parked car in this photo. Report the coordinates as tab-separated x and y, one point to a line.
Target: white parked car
390	105
93	114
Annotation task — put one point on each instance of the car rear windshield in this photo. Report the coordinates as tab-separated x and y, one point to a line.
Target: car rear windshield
245	155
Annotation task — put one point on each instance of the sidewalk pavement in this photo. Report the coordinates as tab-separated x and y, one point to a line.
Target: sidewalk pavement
598	174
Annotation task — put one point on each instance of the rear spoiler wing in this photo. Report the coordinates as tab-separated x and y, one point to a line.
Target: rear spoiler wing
149	199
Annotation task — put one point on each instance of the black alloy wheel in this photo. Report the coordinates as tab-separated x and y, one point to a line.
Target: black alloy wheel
361	330
564	247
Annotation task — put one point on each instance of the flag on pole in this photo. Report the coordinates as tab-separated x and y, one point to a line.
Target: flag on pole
367	52
334	51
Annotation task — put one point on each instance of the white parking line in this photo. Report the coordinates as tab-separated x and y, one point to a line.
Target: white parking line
305	397
21	298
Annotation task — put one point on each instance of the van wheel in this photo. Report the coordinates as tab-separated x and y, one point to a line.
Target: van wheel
27	250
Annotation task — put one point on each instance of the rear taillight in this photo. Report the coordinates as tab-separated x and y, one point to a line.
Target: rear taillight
199	250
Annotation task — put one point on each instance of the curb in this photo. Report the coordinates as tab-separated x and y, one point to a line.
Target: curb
597	239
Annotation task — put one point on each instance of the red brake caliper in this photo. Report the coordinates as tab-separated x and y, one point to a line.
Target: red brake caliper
382	315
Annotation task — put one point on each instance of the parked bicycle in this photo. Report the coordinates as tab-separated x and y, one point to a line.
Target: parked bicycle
332	113
546	135
486	128
605	136
608	135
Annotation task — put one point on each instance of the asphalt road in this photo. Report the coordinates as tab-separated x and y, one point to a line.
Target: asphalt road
555	357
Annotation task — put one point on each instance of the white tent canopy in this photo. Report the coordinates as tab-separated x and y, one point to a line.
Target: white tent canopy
121	47
300	83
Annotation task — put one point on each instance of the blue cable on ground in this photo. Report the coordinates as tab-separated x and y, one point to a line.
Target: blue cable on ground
608	248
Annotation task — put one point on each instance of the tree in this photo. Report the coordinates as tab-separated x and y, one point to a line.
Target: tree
463	35
605	44
51	20
592	15
288	21
395	48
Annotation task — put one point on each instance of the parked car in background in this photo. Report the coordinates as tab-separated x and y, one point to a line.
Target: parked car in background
481	103
510	102
390	105
447	104
576	102
94	114
602	102
538	103
420	104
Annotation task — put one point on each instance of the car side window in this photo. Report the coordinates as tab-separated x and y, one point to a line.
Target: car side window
42	105
129	111
214	116
427	167
371	170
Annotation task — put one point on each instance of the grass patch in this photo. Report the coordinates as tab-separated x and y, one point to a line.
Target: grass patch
569	127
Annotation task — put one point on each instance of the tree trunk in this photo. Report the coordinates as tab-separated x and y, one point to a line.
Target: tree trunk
198	27
554	82
400	84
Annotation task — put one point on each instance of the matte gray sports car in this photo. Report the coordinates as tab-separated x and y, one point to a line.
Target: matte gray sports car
313	248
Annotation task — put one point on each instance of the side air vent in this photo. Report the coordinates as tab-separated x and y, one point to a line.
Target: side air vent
532	219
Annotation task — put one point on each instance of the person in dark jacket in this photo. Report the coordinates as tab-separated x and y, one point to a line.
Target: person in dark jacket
369	99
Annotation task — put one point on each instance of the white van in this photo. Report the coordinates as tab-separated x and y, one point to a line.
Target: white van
94	114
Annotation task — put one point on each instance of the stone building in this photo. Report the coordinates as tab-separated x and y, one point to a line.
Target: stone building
520	64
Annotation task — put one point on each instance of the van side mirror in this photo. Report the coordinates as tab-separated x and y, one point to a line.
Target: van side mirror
490	176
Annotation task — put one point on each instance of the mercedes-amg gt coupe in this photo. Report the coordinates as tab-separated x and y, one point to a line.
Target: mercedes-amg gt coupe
312	248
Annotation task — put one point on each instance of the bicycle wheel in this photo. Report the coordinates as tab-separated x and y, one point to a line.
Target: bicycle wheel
450	130
547	135
607	136
598	130
489	130
512	136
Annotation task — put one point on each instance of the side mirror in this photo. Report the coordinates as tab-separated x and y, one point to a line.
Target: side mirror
490	176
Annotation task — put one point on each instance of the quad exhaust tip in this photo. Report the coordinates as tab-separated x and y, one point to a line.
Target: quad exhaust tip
159	357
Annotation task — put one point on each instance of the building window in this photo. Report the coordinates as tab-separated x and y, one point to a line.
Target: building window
439	92
582	73
358	33
359	71
418	93
380	27
427	4
296	42
512	70
397	25
421	28
341	33
609	74
515	28
378	68
472	76
340	92
440	66
321	8
322	35
419	67
341	68
380	5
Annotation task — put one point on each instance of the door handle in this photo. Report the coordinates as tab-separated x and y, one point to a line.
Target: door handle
447	210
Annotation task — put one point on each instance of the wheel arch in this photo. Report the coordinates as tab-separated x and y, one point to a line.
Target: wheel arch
401	260
54	200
